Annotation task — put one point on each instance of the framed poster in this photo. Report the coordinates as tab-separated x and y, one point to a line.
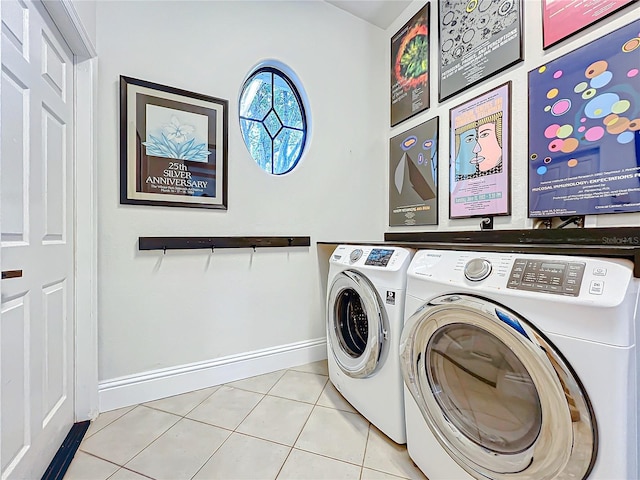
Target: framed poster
173	146
563	18
584	129
477	39
413	176
410	68
480	152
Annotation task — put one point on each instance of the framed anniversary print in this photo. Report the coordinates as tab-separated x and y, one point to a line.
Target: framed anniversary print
410	68
477	39
563	18
584	129
413	176
173	146
480	153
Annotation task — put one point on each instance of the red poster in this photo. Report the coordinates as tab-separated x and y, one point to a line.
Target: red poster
562	18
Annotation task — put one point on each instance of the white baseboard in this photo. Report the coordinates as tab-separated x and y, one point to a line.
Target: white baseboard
166	382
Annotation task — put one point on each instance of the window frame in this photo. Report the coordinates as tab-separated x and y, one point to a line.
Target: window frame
275	71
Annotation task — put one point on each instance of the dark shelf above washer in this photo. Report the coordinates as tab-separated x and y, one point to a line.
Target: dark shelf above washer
614	242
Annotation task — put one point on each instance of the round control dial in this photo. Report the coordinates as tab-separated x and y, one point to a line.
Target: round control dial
355	255
477	269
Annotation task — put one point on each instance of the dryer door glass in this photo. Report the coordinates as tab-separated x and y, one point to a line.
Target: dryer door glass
498	397
483	389
351	322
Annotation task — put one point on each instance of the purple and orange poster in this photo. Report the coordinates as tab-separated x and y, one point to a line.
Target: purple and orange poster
584	129
562	18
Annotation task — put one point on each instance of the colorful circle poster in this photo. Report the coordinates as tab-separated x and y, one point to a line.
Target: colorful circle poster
584	129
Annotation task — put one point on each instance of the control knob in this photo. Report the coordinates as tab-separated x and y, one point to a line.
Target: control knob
477	269
355	255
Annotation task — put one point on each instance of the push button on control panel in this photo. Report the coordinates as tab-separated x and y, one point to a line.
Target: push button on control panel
600	271
596	287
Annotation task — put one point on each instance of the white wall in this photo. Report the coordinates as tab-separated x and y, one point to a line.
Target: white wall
534	56
86	10
161	311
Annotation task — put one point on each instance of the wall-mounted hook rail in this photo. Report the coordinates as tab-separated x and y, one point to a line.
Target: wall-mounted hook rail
180	243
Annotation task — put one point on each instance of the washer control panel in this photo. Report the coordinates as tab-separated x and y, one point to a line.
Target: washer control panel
379	257
547	276
392	259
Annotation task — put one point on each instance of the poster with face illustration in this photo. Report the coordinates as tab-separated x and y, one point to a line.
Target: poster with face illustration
477	39
413	176
584	129
479	155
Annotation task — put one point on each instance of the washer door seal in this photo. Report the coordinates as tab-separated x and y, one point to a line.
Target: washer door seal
496	394
356	324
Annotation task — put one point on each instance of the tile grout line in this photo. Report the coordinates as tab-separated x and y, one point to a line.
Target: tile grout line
211	456
129	470
300	432
181	417
364	455
264	395
153	441
231	431
105	426
324	455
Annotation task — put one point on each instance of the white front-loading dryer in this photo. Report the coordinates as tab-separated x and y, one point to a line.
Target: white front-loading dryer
521	366
365	309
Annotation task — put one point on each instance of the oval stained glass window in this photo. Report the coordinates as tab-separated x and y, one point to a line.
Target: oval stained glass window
272	120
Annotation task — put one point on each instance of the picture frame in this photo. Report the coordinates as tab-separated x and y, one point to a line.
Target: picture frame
583	129
410	79
173	146
476	40
480	155
560	20
413	176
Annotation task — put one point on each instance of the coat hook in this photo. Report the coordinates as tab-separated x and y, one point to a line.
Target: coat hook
254	247
213	247
290	240
164	250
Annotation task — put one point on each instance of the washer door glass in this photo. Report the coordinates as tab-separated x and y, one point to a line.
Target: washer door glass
483	389
356	324
352	326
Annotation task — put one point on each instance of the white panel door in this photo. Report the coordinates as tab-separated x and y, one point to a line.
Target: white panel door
36	226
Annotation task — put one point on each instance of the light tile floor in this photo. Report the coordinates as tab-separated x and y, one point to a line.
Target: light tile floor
291	424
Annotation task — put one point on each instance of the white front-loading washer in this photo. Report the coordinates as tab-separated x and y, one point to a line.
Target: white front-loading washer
365	309
521	366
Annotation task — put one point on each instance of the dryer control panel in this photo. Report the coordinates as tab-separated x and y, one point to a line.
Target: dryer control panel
548	275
